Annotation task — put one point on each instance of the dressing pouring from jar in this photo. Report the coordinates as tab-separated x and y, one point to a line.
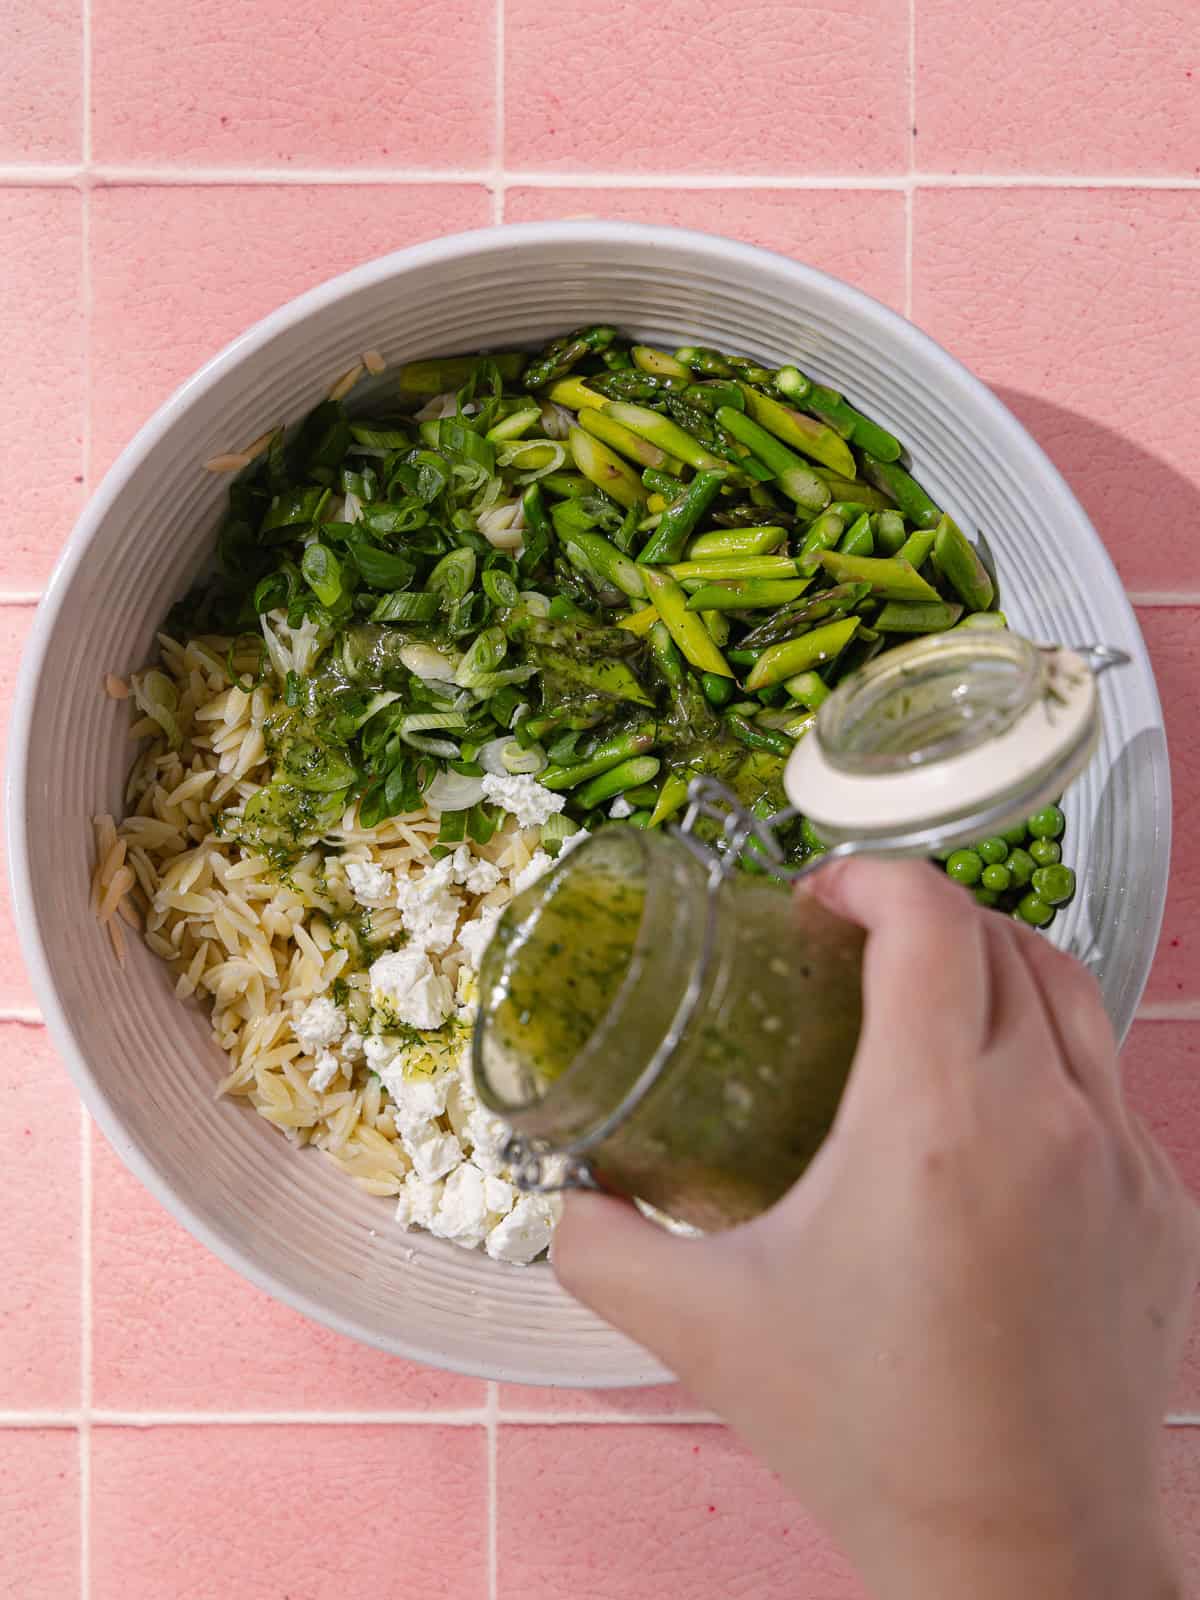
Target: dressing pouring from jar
658	1023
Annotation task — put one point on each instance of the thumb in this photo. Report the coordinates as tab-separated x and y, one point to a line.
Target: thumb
667	1292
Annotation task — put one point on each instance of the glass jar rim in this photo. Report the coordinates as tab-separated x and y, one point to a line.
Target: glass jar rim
975	685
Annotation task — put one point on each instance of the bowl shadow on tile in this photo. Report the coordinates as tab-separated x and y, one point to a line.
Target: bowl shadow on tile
1137	783
1092	458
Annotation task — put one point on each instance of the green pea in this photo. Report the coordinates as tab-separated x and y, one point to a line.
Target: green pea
997	877
986	897
1055	885
1046	852
964	866
1015	836
1034	910
1020	867
1048	823
993	850
718	691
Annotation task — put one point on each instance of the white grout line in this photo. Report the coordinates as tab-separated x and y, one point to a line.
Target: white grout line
16	175
592	1419
1161	597
1169	1011
489	1417
26	1016
39	1419
21	597
493	1491
498	128
475	1418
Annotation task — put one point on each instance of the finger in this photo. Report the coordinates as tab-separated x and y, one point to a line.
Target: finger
925	969
1071	1000
667	1292
1019	1031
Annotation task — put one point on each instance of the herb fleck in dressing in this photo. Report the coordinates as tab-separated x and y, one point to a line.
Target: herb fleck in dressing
583	981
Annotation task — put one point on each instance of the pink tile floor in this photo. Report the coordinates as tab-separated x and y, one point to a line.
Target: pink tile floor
1025	186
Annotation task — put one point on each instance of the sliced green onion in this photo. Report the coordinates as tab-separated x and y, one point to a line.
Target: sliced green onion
453	575
443	748
379	438
454	437
500	588
486	652
407	606
487	683
429	721
322	572
556	830
383	569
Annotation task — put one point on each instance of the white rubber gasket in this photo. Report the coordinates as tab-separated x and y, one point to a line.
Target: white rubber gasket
857	806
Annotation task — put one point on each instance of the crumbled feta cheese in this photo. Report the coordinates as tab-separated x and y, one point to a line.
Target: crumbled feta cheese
487	1136
476	875
571	841
620	809
476	935
372	886
524	1233
415	1100
321	1023
524	796
498	1196
432	1152
326	1070
379	1048
429	908
417	1203
351	1046
462	1215
536	867
460	1102
404	984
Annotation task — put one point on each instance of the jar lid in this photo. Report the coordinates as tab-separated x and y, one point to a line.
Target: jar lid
947	738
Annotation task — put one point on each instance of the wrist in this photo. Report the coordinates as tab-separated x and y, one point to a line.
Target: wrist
991	1560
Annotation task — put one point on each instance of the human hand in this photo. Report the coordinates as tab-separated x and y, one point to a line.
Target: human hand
954	1337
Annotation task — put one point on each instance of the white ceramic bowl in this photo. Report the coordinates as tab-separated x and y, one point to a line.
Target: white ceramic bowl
145	1064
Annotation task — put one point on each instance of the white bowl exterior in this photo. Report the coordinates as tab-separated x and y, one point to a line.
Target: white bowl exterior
146	1065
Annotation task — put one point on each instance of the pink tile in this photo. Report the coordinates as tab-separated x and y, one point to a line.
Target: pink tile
39	1243
41	399
247	1513
856	233
230	85
15	992
1034	87
41	82
1181	1487
622	1512
781	86
667	1400
177	272
1161	1064
1078	306
39	1509
177	1330
1173	636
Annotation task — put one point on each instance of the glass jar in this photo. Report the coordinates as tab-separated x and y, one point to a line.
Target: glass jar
655	1022
686	1034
